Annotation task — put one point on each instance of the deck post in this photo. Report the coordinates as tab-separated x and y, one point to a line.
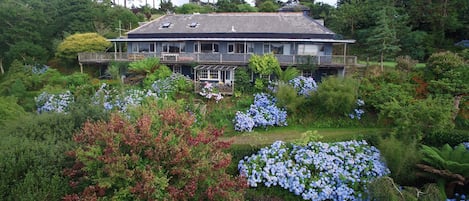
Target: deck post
115	51
345	53
81	67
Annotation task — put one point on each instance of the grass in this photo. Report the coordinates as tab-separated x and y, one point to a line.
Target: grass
390	64
290	134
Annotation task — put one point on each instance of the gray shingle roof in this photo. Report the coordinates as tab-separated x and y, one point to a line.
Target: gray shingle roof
284	23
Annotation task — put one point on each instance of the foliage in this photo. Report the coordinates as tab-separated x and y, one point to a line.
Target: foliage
112	99
9	109
209	91
168	87
384	189
289	98
47	102
405	63
452	137
33	150
190	8
383	38
415	119
165	157
266	64
288	74
401	157
76	43
263	112
317	171
304	85
447	165
243	80
145	66
440	63
336	96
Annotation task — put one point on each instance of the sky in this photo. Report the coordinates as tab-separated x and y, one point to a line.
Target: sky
138	3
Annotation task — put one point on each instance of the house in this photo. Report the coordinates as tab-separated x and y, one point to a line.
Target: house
209	47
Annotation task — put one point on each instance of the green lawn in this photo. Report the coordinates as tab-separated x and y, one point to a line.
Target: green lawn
290	134
390	64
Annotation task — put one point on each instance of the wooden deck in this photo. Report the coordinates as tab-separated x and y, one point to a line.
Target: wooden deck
234	59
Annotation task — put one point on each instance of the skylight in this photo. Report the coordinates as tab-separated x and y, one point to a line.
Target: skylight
166	25
193	25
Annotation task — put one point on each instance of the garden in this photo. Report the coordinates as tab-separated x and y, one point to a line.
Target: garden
397	134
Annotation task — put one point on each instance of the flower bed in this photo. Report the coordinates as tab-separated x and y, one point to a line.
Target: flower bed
262	113
48	102
317	171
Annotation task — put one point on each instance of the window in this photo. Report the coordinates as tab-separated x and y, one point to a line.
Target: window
152	47
203	74
208	74
213	74
196	47
143	47
275	48
175	47
177	69
208	47
240	48
304	49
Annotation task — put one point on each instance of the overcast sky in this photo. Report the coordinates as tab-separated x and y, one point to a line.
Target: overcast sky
138	3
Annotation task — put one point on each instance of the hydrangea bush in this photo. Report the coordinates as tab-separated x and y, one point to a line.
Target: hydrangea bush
209	91
318	171
169	85
262	113
49	102
358	111
304	85
111	98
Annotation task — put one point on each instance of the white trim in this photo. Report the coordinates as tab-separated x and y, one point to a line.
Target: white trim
231	39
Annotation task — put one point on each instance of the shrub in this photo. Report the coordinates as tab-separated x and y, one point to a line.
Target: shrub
48	102
416	119
450	136
401	158
263	113
336	96
287	97
165	157
318	171
304	85
9	109
32	153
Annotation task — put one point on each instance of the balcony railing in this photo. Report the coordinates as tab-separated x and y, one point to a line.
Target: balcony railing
207	58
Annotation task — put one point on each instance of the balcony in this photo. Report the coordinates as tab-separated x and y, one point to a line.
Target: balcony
215	58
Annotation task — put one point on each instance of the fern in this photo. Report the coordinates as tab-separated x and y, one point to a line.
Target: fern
455	160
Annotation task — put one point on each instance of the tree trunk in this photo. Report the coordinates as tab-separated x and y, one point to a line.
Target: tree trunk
382	58
1	66
457	101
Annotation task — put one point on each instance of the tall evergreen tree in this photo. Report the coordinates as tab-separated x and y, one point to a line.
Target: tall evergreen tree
383	39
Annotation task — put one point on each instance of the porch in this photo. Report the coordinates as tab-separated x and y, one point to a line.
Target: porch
215	58
219	78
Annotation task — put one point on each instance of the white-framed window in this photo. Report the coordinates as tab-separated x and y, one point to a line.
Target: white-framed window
240	48
214	74
308	49
276	48
203	74
174	47
177	69
206	47
208	74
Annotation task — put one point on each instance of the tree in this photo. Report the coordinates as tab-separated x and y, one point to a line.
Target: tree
383	38
265	65
268	6
161	156
86	42
190	8
447	74
166	6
